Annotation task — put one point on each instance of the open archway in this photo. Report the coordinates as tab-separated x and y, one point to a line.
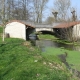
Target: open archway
46	32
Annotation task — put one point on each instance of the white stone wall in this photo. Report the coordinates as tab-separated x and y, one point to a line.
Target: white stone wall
16	30
44	29
76	31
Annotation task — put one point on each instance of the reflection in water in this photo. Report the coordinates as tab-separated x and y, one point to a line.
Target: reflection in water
49	43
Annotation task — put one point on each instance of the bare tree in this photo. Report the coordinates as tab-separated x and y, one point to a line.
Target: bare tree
50	20
62	6
3	15
74	15
18	9
23	9
39	6
9	9
2	9
64	33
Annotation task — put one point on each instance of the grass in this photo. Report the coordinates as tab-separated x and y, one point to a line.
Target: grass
1	29
52	37
73	56
21	61
46	36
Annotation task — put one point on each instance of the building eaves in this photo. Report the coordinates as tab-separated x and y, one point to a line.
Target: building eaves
23	22
67	24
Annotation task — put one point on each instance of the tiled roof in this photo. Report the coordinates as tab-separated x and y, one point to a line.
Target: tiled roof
23	22
67	24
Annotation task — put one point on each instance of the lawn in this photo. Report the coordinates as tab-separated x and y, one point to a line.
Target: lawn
56	39
46	36
1	29
73	57
21	61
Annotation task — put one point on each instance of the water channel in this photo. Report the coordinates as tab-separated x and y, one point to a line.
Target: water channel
49	43
43	44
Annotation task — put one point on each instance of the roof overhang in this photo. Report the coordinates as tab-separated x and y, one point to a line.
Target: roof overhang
67	24
25	23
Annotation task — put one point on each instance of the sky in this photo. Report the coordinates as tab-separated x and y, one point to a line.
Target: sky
74	3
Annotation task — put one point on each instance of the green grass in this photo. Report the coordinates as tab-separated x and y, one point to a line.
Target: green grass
46	36
53	38
21	61
73	56
1	29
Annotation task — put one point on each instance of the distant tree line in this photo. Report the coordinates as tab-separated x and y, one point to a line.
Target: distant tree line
22	10
34	10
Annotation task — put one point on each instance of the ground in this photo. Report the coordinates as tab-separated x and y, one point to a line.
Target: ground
73	56
19	60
